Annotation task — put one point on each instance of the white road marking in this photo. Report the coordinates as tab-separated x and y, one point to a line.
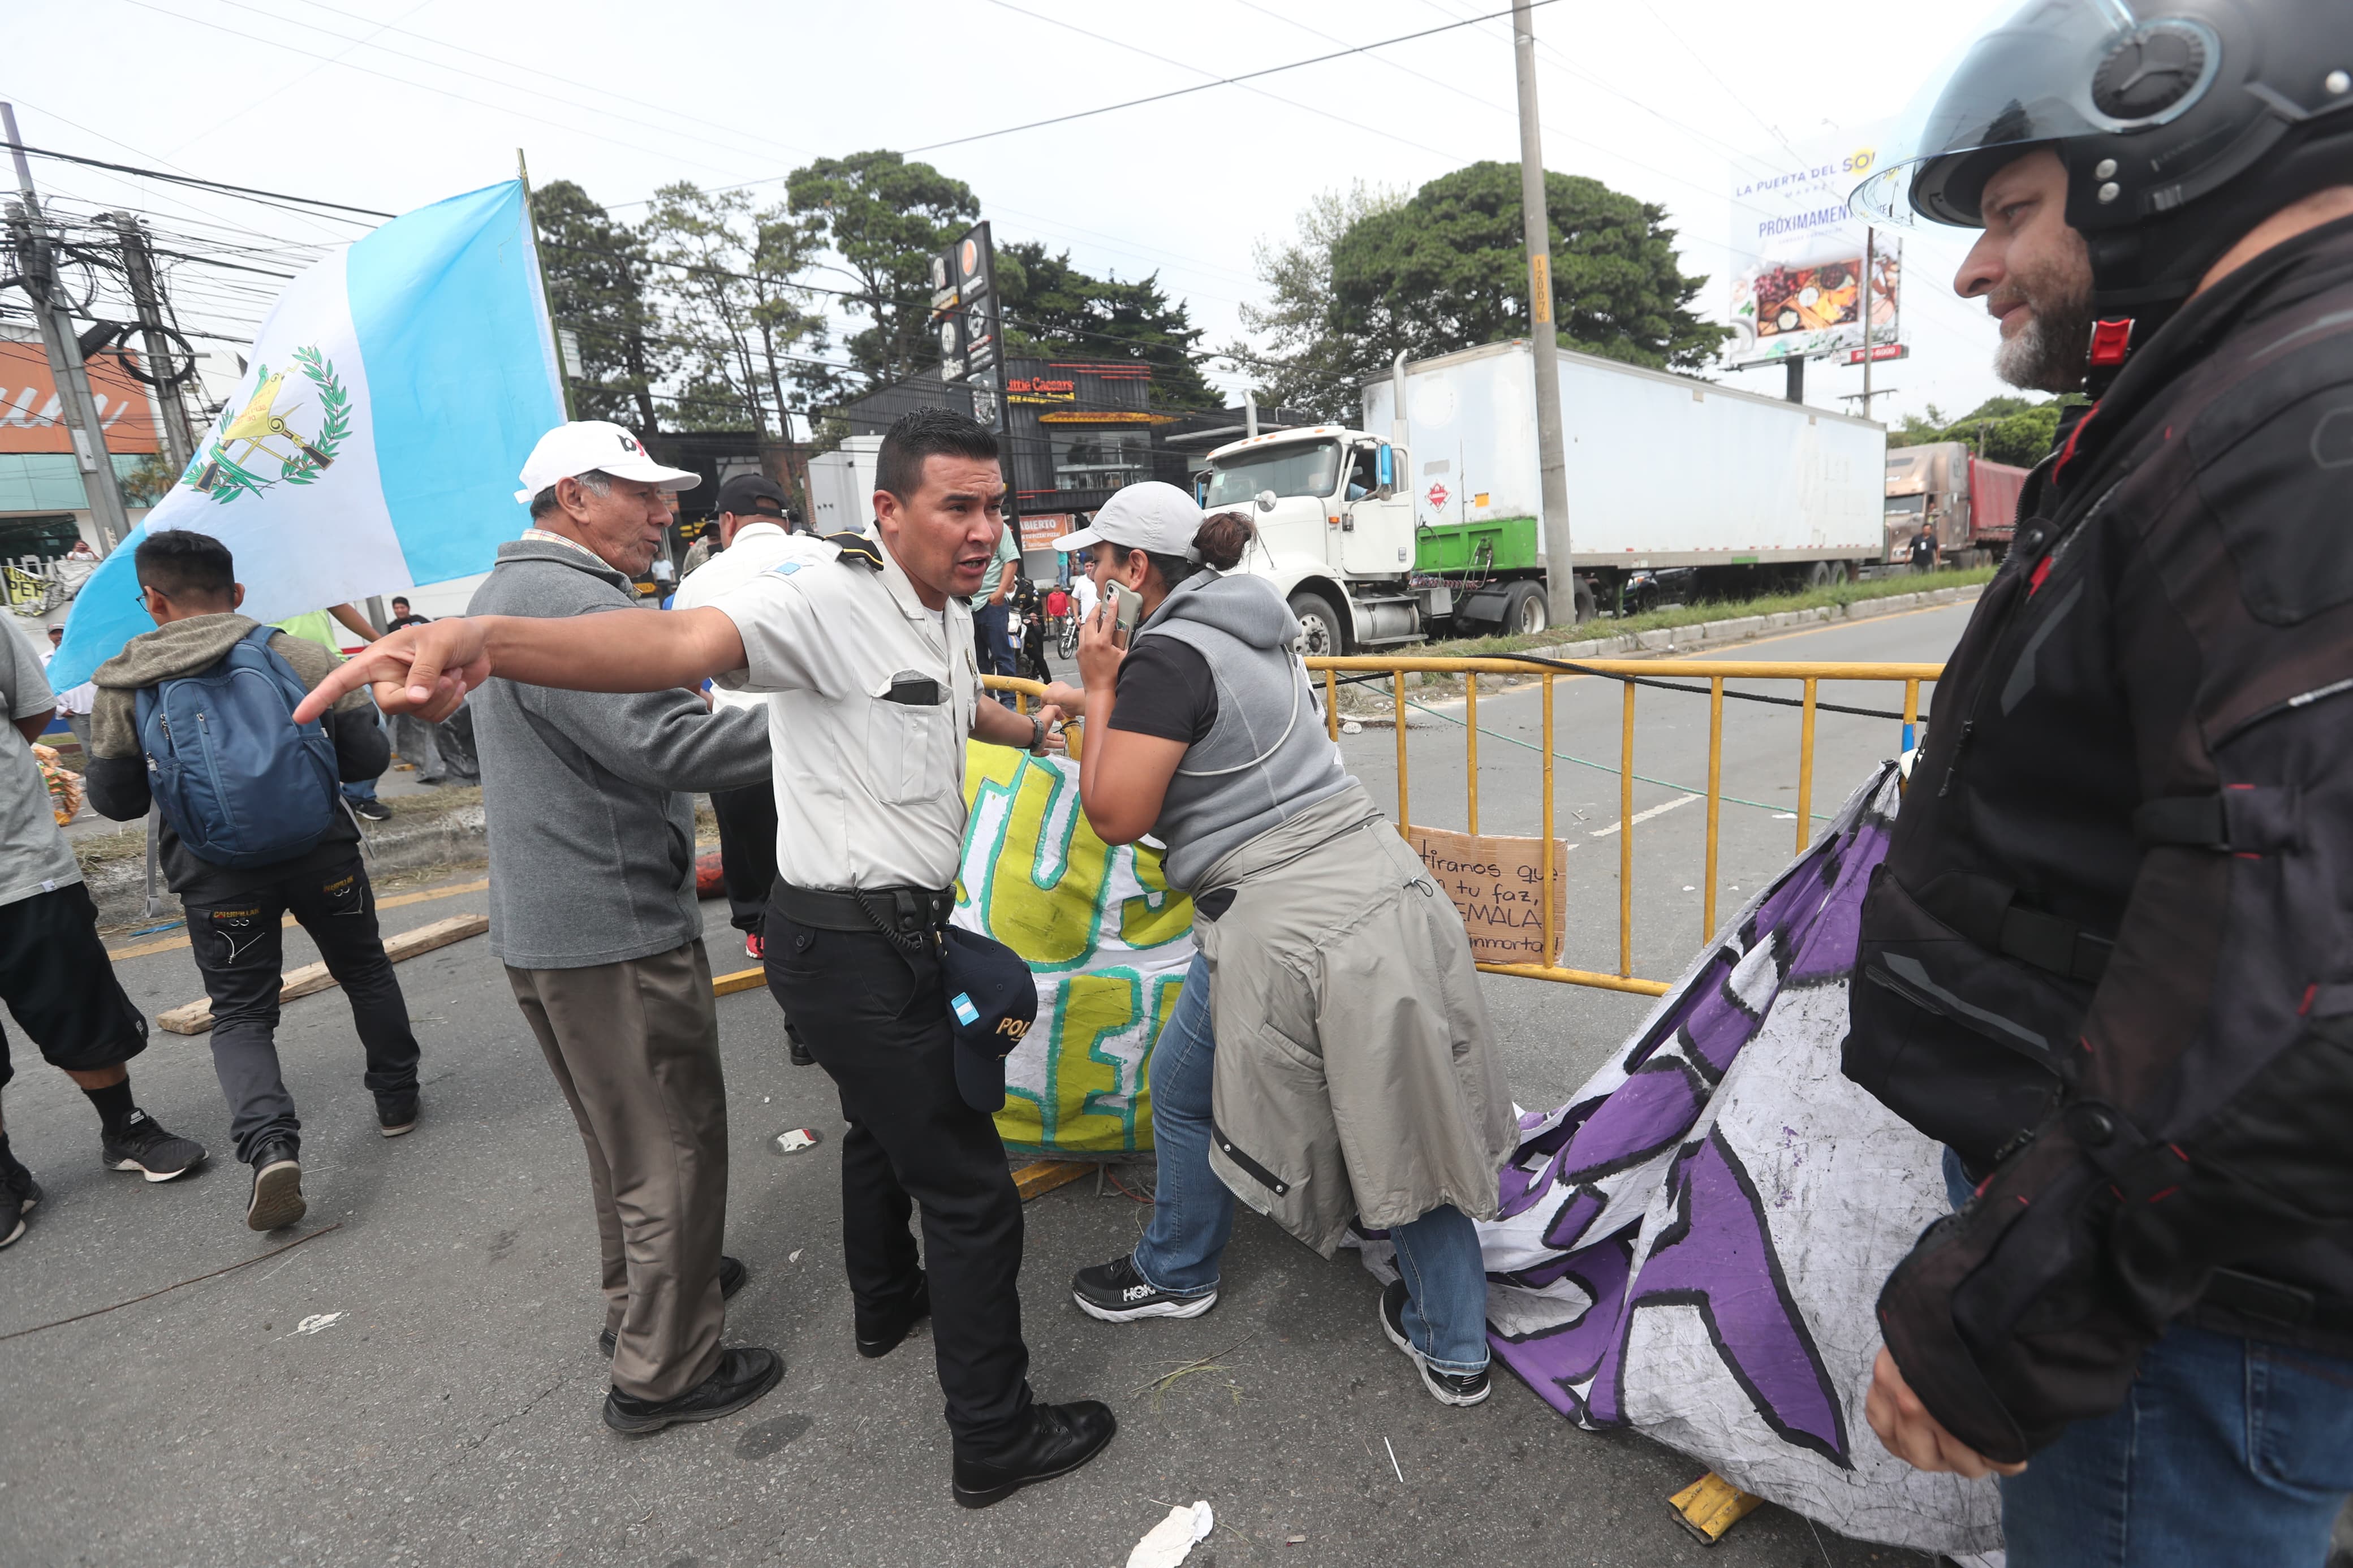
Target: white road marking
1659	810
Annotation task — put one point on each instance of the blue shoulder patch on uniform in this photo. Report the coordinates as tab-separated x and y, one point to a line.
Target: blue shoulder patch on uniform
787	568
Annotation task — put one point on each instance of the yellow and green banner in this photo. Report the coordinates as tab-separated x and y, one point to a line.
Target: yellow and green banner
1106	938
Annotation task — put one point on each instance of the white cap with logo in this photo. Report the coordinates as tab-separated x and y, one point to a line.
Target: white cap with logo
1151	516
570	450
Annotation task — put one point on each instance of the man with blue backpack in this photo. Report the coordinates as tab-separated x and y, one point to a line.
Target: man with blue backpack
195	717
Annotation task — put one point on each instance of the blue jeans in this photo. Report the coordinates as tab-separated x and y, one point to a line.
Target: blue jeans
1193	1214
990	642
2227	1450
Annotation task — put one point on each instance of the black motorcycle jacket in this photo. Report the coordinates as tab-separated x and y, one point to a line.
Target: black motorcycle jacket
2109	955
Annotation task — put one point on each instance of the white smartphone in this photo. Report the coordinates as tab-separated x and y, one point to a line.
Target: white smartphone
1126	610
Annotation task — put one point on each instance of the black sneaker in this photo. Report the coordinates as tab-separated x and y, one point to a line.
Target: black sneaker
1458	1388
1060	1438
880	1337
146	1148
277	1198
373	810
18	1194
743	1375
731	1274
396	1113
793	1049
1116	1293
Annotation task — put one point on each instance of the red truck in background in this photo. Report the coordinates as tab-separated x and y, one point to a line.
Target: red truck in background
1971	503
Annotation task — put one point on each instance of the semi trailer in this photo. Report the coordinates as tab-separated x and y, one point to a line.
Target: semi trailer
1972	504
1429	524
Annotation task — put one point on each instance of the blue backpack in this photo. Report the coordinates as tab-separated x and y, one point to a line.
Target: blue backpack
240	782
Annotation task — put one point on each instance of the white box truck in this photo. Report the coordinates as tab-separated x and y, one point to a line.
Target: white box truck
1430	525
841	487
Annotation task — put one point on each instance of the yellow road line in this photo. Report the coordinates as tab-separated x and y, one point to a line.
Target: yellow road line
165	944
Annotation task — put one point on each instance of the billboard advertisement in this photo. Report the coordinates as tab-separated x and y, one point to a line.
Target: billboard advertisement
31	413
1797	256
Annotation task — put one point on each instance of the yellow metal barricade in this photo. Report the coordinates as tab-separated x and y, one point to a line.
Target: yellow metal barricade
1806	676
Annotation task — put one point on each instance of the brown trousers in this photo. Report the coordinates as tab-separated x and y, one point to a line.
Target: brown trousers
635	1047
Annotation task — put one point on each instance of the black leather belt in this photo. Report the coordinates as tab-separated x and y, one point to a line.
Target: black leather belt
896	912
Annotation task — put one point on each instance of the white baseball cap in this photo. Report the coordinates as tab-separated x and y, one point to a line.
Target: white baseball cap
1151	516
570	450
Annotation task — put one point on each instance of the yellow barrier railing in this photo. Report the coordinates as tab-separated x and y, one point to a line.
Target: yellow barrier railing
1716	672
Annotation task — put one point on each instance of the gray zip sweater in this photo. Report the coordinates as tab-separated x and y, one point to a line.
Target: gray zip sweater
1266	758
592	843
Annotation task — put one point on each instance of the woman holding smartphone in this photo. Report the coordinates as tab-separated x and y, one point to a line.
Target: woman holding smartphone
1354	1076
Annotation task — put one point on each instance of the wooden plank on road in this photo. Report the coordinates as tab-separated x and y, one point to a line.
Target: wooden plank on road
196	1018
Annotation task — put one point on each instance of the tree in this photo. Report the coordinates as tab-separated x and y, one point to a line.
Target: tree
729	272
1308	365
595	273
1447	269
1054	308
2002	430
884	219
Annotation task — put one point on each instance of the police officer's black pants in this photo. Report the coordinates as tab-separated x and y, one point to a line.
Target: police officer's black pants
748	849
876	1020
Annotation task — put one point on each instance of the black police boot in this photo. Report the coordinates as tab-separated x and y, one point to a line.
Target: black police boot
1060	1438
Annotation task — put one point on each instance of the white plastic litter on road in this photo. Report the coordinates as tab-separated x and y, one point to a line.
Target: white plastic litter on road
1171	1540
317	1320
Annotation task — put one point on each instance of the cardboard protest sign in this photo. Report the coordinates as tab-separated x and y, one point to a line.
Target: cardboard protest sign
1497	884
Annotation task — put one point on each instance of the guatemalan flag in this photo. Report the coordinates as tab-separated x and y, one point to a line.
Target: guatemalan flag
393	394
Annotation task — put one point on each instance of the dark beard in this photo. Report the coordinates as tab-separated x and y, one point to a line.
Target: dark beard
2053	353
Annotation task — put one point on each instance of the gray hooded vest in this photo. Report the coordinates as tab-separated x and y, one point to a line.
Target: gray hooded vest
1266	758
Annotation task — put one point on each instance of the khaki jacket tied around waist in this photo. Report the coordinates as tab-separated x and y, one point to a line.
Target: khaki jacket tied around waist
1356	1074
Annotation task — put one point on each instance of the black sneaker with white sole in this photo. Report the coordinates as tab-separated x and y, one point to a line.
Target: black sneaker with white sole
18	1194
277	1198
1115	1293
396	1113
1446	1387
145	1147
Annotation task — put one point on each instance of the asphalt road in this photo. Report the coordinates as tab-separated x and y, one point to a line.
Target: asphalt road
448	1413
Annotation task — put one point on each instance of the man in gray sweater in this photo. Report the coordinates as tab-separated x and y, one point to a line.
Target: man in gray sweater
593	911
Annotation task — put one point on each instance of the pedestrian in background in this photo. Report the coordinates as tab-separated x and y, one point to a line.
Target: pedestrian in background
593	913
278	843
1924	548
990	617
752	538
74	702
55	974
415	741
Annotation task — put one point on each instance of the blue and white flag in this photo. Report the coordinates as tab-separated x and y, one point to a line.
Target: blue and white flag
394	392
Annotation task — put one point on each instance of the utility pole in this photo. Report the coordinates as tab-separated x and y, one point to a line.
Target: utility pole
38	270
1552	459
1862	297
139	264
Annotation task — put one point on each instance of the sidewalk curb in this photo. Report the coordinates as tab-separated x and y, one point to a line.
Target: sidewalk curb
1709	634
1704	635
119	887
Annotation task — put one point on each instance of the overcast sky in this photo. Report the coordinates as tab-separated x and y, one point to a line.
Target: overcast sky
390	104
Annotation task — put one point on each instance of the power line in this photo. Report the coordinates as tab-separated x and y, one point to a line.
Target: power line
1204	87
189	179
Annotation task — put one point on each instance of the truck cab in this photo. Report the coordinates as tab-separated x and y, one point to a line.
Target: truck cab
1336	529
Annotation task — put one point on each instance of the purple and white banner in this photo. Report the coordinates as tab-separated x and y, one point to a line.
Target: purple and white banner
1692	1247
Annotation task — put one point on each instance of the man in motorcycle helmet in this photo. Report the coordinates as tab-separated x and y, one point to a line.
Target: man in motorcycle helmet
2108	959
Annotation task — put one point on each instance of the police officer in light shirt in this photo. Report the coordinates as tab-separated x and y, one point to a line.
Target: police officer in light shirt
867	657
